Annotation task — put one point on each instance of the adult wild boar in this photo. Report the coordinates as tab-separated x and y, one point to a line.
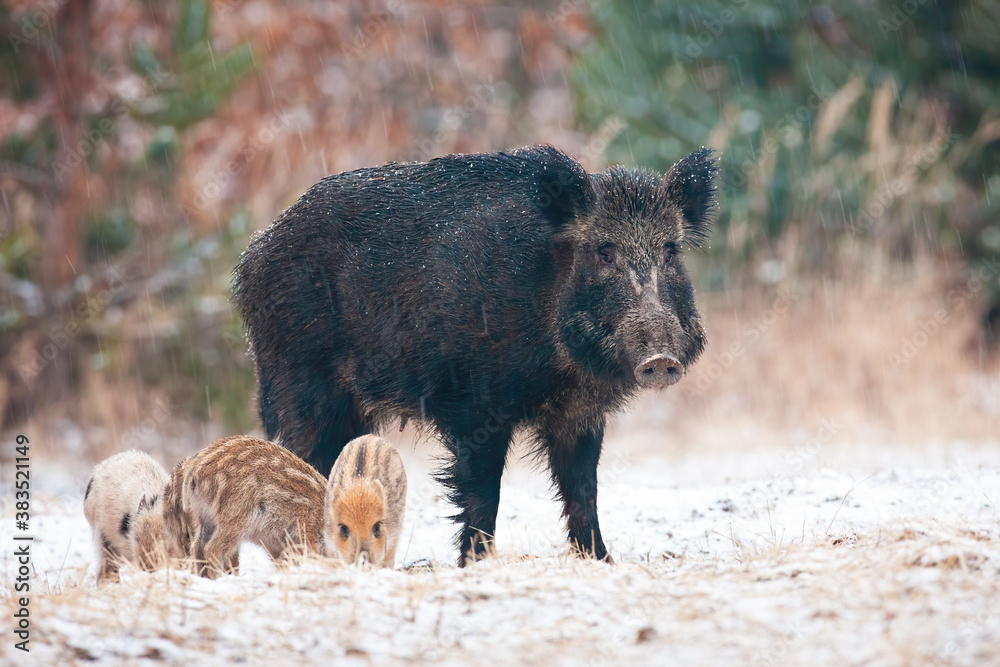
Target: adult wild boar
483	293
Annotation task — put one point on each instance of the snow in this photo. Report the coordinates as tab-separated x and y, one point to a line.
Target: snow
745	554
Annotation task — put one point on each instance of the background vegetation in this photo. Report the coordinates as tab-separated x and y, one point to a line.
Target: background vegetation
873	120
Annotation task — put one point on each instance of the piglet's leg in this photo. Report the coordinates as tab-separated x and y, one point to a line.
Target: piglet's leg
222	552
217	548
109	561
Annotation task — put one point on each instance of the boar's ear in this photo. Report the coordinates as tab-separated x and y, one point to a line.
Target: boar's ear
563	190
691	185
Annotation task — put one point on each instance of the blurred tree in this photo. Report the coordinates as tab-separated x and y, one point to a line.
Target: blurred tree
79	106
67	63
186	157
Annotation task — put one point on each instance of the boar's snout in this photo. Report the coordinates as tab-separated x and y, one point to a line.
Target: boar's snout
658	371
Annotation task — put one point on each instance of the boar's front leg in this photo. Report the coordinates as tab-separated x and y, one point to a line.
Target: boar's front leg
573	458
473	480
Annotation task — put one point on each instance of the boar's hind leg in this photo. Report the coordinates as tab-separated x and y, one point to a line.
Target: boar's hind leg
473	479
304	406
324	424
573	459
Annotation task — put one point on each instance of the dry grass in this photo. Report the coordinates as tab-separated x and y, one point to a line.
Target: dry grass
726	555
892	598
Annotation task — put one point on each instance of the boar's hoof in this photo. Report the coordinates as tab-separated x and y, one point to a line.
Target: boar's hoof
660	370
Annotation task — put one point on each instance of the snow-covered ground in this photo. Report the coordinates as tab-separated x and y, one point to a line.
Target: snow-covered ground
819	554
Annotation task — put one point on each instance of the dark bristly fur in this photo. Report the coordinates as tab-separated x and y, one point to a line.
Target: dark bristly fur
484	293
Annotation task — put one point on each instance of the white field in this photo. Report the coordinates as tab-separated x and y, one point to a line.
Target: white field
829	553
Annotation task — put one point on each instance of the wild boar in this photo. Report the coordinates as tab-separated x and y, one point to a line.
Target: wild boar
484	294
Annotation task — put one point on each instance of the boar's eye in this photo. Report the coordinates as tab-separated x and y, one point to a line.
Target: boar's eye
669	251
606	254
344	531
377	529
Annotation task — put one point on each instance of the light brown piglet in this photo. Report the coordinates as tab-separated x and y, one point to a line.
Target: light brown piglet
179	527
365	502
242	488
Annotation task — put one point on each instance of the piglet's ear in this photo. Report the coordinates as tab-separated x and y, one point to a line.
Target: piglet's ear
691	185
143	504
